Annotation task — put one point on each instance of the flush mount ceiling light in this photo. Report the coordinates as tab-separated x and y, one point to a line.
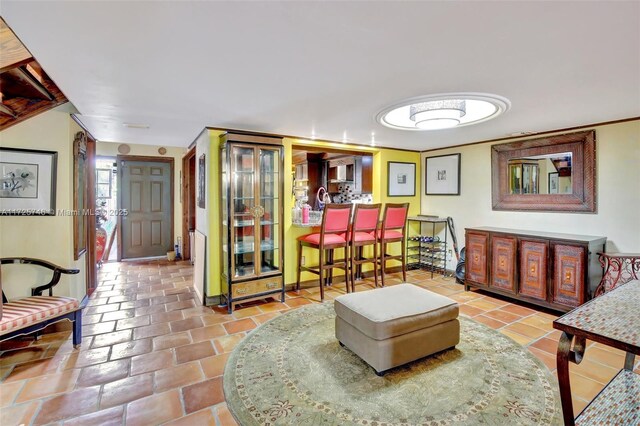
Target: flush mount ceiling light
443	111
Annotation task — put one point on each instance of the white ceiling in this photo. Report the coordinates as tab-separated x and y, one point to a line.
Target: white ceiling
329	67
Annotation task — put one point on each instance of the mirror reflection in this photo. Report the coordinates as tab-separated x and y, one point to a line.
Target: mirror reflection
541	174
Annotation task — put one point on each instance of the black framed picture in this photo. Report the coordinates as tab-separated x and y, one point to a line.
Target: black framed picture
401	179
27	182
553	183
442	175
202	181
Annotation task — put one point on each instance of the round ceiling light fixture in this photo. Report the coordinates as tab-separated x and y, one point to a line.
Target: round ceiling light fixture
443	111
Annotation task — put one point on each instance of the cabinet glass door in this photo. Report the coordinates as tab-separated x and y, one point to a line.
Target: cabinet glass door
225	212
243	211
270	210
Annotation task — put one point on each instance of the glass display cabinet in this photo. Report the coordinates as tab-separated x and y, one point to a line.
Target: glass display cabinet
251	217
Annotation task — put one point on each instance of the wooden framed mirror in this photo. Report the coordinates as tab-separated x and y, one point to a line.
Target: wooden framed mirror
556	173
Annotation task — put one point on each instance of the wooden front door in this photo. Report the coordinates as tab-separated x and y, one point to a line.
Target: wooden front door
146	194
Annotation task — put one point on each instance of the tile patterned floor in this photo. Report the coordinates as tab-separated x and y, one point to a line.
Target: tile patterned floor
151	355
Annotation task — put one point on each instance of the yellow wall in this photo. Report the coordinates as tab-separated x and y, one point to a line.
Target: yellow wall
110	149
380	158
45	237
618	196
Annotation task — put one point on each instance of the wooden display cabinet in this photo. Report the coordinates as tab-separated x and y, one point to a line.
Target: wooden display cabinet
251	168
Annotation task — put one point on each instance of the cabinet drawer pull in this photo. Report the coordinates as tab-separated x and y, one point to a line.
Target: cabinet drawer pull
272	285
241	291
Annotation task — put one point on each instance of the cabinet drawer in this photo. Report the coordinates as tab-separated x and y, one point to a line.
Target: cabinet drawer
503	263
250	288
533	269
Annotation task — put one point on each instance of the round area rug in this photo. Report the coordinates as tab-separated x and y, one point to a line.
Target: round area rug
292	370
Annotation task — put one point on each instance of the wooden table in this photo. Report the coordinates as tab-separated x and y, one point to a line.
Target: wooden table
612	319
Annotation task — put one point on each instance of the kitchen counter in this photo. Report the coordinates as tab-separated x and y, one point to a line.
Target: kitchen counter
306	225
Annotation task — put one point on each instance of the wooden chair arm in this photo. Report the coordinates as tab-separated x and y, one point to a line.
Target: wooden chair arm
57	272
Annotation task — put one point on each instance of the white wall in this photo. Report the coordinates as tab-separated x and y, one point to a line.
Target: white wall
44	237
203	147
617	193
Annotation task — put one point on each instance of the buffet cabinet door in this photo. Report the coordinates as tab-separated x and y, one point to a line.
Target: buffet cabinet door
503	263
568	274
477	244
533	269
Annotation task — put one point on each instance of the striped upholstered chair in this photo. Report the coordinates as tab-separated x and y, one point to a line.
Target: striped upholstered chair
29	315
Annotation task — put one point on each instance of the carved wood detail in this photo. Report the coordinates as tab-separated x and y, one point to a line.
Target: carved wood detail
503	265
533	269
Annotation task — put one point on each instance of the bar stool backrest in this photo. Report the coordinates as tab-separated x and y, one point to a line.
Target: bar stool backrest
395	216
336	218
366	217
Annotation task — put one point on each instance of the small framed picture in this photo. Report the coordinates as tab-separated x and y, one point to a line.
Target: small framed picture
553	183
442	175
402	179
27	182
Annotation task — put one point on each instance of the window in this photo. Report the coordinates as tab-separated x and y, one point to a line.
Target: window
103	183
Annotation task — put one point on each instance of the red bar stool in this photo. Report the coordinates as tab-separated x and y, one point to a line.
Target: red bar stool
393	229
333	234
363	233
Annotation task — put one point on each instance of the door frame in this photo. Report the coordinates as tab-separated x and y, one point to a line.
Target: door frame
188	187
119	160
92	265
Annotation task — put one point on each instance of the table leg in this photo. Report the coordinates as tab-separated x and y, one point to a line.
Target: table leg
628	361
565	354
562	360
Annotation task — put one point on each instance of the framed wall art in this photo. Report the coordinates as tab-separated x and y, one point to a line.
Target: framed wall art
202	179
401	179
27	182
553	183
442	175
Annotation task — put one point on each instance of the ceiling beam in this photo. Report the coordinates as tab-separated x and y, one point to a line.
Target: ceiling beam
17	82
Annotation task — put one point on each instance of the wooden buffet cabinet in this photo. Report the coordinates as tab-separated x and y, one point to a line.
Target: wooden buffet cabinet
557	271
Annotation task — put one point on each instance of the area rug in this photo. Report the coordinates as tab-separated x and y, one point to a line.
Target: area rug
292	370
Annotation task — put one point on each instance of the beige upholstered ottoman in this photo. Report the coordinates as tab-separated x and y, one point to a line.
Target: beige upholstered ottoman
395	325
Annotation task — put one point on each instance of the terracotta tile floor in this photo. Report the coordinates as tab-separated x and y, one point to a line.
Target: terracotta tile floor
151	355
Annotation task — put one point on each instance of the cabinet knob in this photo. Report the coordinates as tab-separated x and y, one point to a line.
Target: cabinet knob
272	285
241	291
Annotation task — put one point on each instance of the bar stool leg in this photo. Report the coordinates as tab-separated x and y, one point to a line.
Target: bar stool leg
383	254
346	267
352	268
375	263
404	260
299	265
320	271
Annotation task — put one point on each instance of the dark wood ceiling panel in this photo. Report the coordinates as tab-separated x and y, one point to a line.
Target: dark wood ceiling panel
25	88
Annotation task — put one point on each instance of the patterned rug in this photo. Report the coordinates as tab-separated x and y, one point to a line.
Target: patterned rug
292	370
